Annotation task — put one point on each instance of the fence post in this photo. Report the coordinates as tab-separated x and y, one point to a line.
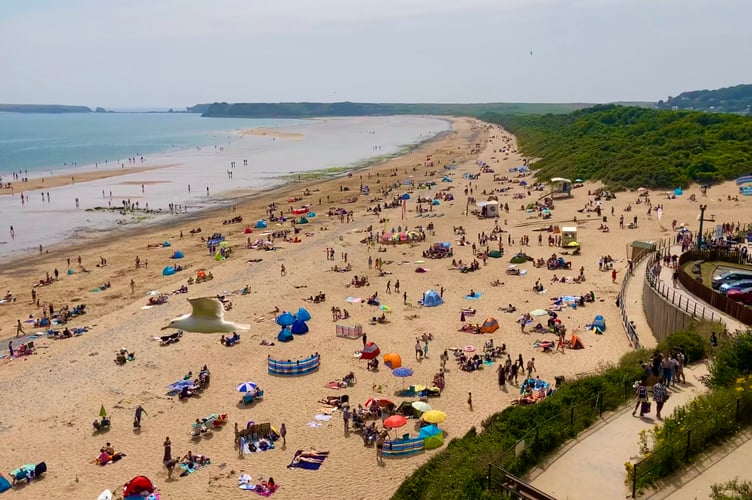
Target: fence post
686	451
571	416
695	313
488	487
738	408
634	479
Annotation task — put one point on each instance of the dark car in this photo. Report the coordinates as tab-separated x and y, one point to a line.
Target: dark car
728	276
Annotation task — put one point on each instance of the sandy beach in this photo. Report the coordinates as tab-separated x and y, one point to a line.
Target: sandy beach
52	396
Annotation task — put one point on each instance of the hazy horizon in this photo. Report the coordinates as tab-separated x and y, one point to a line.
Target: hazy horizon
142	55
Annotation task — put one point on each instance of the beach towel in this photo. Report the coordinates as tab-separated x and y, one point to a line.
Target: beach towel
354	300
475	296
313	424
421	270
261	489
187	469
322	417
152	496
311	463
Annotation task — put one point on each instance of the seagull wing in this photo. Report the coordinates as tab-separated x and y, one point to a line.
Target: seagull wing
207	308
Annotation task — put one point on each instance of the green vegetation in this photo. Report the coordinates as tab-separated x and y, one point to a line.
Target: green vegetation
732	490
321	109
704	421
736	99
460	471
43	108
630	147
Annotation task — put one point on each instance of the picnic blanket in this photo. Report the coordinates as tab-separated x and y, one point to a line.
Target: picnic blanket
248	446
475	296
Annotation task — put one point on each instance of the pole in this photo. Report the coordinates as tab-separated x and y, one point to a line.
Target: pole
702	219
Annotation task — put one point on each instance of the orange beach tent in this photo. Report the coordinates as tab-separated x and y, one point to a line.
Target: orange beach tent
489	326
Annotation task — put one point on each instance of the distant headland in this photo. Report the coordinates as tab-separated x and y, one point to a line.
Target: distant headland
47	108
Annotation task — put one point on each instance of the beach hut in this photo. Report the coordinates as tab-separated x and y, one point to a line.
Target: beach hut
488	208
489	326
261	224
559	186
392	360
370	351
299	327
568	236
432	298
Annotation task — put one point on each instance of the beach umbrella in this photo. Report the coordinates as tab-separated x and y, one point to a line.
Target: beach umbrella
402	372
247	387
285	319
303	315
383	403
385	308
421	406
579	180
572	244
538	312
102	412
395	421
434	416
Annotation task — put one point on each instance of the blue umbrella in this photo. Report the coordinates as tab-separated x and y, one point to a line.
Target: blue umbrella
303	315
402	371
247	387
285	319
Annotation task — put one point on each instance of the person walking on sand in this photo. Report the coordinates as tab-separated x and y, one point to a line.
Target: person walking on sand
346	419
365	340
613	275
10	348
133	286
404	298
501	370
389	286
19	329
470	400
283	434
396	286
418	350
425	348
531	367
139	413
283	270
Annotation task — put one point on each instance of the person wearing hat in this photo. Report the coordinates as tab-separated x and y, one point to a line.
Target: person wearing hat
641	393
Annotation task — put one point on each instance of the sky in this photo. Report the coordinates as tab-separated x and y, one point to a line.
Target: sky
176	53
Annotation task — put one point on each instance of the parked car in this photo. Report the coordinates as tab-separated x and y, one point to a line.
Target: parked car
728	276
735	285
743	295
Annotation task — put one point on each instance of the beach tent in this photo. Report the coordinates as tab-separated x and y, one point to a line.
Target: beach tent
168	271
678	191
284	335
166	244
248	230
311	214
489	326
392	360
405	197
370	351
435	202
576	343
494	254
432	436
4	483
285	319
299	327
303	314
432	299
177	254
138	485
261	224
302	220
599	324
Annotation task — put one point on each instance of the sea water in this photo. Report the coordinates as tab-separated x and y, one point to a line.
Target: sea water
201	152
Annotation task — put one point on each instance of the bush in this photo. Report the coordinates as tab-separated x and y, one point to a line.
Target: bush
694	341
732	360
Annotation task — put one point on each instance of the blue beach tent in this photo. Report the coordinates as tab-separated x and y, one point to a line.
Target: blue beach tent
432	299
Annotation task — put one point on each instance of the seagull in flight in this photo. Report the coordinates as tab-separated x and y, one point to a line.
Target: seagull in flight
208	316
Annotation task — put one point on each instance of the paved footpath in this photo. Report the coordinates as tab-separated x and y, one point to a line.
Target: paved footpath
592	465
634	308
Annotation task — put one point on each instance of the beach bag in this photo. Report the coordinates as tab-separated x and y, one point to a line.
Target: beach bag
645	407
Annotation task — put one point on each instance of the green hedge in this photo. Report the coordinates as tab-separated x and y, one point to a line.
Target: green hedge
460	470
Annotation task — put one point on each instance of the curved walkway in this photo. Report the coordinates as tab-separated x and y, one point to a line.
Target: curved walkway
594	461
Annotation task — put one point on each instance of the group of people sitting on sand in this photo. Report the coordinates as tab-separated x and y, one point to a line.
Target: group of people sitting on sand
123	356
345	269
107	454
339	313
199	384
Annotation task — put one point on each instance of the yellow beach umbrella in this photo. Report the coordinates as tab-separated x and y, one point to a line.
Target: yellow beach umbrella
434	416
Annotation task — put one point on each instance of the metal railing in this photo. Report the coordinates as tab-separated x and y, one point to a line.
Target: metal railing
632	336
681	446
551	433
